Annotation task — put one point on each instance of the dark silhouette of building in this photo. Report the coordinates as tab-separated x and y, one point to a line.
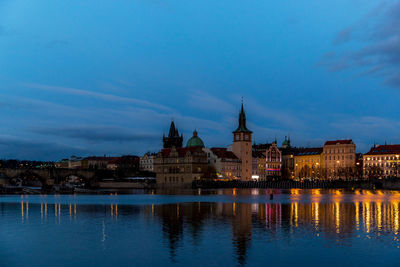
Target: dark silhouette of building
173	139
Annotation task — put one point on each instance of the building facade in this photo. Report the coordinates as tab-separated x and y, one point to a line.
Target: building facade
259	165
382	162
179	167
147	162
242	146
339	159
309	163
273	161
226	163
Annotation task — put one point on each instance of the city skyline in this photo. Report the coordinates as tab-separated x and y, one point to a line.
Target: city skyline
74	85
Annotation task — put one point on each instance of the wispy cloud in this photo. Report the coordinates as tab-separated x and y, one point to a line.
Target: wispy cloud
369	127
21	148
204	101
103	96
279	116
378	34
98	134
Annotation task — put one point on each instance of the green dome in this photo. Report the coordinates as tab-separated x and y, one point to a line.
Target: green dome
286	143
195	141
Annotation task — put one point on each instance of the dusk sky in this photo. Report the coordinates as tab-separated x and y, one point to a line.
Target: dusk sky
106	77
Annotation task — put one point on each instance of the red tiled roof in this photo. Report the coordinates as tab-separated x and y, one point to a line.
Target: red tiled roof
309	151
383	150
181	151
341	142
223	153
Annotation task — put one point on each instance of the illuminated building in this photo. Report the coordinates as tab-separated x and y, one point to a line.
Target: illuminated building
308	163
382	161
273	161
339	159
259	165
226	163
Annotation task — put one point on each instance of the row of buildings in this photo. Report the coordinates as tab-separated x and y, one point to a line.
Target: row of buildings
176	165
100	163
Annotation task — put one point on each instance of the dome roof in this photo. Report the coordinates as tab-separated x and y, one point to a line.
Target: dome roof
195	141
286	142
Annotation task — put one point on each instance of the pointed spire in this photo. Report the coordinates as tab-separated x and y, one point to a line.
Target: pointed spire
172	130
242	121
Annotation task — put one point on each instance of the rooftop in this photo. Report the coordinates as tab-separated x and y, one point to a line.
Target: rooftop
339	142
223	153
310	151
384	150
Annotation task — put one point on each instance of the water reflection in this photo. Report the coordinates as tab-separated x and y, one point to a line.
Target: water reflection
332	217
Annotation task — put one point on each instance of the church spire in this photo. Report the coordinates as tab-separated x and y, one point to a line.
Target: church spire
173	138
173	132
242	121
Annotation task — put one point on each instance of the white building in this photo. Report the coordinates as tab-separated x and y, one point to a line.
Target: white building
382	161
147	162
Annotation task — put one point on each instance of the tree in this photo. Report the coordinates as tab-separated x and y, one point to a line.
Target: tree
374	171
209	173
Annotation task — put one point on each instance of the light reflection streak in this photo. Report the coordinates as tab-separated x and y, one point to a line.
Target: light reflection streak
316	214
378	215
396	217
357	206
337	217
367	217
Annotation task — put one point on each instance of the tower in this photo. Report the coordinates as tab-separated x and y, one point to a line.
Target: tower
242	139
173	139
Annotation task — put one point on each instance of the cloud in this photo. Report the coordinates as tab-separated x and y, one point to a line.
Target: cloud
103	96
367	126
97	134
19	148
378	35
204	101
282	117
343	36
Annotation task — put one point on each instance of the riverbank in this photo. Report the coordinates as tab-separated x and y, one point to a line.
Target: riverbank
370	184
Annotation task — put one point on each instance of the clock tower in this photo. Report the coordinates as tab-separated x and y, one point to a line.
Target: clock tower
242	146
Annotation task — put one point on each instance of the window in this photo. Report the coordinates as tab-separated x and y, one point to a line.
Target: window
237	137
246	137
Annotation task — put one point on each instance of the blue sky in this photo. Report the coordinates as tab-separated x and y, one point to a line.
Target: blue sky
106	77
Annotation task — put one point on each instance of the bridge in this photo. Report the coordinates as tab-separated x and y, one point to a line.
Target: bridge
48	176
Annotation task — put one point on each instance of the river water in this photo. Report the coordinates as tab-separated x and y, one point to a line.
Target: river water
229	227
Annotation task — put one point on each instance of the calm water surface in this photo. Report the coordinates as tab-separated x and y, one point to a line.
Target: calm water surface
202	228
